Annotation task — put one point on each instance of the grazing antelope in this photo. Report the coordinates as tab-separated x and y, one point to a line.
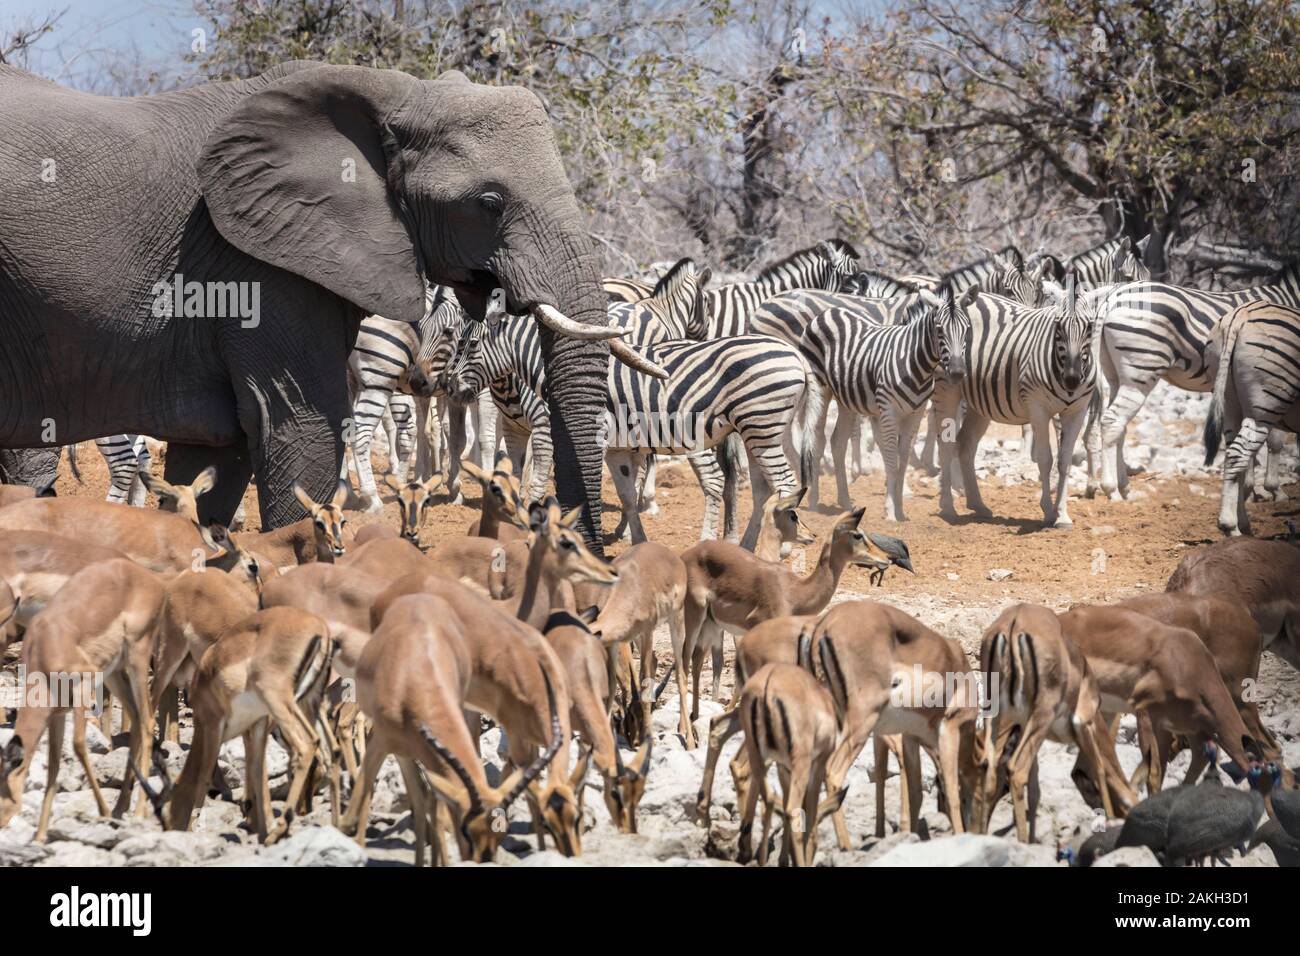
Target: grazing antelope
586	671
1262	576
1232	637
1044	691
790	720
271	667
182	499
33	567
651	588
413	500
101	623
889	674
414	682
504	516
515	673
731	590
1165	676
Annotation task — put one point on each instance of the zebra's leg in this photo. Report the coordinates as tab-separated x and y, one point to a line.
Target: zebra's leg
864	444
770	472
1233	519
930	455
1273	465
487	430
908	425
885	428
367	411
819	450
457	441
402	411
713	484
1042	424
1027	440
648	505
123	463
1114	423
139	494
844	426
1071	425
943	408
973	428
622	468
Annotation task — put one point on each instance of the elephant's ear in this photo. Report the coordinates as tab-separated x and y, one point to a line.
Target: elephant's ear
297	176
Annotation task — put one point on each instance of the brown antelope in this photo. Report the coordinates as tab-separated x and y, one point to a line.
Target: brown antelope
270	668
199	604
651	588
9	494
504	515
1162	674
492	567
783	527
318	537
772	642
182	499
585	669
514	672
413	500
414	682
1044	690
730	590
158	540
100	624
558	556
790	720
890	674
1262	576
1232	637
340	594
375	531
34	565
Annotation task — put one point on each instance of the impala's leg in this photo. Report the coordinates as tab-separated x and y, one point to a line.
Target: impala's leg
949	752
56	726
121	685
743	846
721	729
798	816
718	656
880	751
646	690
257	786
298	734
1034	794
357	816
415	797
860	719
1090	749
200	763
697	671
1019	769
911	764
83	756
694	616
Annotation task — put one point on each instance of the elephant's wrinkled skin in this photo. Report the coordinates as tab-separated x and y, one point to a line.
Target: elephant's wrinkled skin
333	189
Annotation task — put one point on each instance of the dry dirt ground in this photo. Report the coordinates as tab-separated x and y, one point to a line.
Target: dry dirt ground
1115	549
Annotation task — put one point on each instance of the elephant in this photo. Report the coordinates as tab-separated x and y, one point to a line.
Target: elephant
195	265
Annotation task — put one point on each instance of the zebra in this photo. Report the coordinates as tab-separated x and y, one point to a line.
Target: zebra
887	372
748	384
1152	331
1023	365
1256	389
673	309
1113	261
126	456
823	266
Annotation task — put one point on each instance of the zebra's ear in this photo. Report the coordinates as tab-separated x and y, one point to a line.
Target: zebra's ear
1140	247
968	298
930	299
706	274
1055	290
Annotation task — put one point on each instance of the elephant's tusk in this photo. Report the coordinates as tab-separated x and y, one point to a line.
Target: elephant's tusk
557	321
634	359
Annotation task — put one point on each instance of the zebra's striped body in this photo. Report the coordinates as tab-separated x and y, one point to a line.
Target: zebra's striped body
125	456
788	315
1024	366
747	384
824	266
1256	389
886	372
1152	331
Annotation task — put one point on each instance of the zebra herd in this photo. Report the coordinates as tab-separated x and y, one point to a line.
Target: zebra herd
754	365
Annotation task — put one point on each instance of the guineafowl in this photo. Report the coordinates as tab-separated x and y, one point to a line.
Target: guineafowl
1095	847
1284	805
1208	820
1286	849
1147	824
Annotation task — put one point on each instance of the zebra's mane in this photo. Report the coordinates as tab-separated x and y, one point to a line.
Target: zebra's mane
670	280
972	270
770	270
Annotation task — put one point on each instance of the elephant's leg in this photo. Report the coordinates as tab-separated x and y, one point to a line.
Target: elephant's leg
234	468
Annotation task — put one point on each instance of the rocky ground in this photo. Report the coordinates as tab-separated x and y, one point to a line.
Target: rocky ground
967	570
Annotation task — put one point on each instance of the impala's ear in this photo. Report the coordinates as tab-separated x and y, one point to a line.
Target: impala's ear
298	174
304	499
589	614
205	482
392	484
340	495
474	471
571	518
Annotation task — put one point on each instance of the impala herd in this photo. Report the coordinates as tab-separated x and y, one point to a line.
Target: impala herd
351	648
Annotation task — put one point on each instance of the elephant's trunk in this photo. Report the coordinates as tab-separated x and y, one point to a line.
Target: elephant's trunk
577	389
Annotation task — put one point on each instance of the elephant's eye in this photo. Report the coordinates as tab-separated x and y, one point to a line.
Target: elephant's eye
492	201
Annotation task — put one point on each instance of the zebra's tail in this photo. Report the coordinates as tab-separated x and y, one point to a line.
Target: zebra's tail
808	418
72	463
1214	420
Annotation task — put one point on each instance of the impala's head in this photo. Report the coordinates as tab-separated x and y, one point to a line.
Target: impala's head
226	555
328	520
181	499
626	785
413	499
789	524
949	326
561	805
555	532
500	490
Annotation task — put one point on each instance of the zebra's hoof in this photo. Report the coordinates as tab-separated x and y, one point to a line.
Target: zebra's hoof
372	505
650	508
1062	523
1115	495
